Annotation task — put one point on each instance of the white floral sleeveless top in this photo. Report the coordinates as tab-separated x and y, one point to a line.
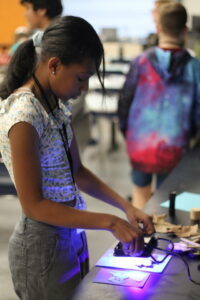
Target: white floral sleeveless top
57	182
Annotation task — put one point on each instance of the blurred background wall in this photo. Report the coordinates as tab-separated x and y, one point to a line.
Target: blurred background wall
11	16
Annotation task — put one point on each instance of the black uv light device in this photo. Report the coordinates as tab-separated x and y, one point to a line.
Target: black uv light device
148	248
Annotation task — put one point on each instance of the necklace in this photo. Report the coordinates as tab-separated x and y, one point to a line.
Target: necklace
63	131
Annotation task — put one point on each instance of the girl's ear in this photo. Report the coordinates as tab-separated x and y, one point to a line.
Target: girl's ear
53	65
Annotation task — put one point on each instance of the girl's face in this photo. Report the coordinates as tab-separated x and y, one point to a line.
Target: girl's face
68	82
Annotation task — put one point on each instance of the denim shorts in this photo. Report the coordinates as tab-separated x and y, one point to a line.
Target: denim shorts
46	262
142	179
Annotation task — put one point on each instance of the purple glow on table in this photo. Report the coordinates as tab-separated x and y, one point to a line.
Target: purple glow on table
131	263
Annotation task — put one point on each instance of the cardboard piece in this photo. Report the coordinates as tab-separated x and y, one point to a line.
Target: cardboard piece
162	226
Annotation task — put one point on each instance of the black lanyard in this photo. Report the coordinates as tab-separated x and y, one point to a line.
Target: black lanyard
63	131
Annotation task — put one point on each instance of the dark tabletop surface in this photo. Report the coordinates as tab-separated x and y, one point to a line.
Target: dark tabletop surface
173	283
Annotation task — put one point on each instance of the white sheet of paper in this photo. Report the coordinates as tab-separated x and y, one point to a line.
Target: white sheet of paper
131	263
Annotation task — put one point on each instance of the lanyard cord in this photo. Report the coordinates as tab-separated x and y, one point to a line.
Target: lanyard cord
63	131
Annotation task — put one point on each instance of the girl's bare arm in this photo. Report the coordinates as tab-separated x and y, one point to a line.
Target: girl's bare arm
92	185
24	142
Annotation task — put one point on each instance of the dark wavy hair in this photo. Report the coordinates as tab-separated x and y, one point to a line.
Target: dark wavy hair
54	7
71	39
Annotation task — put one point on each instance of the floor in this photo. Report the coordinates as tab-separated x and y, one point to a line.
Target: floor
111	166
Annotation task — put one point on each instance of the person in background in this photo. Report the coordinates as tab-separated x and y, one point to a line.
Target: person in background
4	57
155	13
159	105
21	34
157	5
48	256
40	13
152	38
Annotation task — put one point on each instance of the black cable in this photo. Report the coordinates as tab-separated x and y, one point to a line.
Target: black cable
187	267
170	252
172	248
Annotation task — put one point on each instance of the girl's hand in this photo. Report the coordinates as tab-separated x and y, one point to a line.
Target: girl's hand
129	235
136	216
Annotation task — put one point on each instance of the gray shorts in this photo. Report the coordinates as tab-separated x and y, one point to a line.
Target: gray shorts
46	262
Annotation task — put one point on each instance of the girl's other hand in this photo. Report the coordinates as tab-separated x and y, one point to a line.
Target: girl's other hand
129	235
136	217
